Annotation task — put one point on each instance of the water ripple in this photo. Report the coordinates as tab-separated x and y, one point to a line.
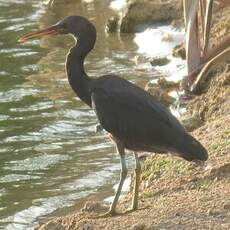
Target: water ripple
44	105
17	177
42	162
16	94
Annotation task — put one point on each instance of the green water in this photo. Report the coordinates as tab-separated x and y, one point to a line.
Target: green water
50	155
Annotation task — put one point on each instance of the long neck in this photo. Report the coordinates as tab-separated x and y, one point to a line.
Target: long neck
77	77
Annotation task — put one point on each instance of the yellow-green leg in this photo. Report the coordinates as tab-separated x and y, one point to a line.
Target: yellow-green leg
137	175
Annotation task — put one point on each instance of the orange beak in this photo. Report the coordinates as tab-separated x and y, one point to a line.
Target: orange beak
52	30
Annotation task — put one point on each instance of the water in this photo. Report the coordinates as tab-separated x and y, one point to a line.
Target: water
51	157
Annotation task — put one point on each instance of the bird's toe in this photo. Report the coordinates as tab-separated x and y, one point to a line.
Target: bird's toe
130	210
110	213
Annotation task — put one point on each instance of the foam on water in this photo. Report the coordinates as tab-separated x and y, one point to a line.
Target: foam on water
159	42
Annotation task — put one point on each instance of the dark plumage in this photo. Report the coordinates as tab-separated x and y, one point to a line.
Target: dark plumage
134	118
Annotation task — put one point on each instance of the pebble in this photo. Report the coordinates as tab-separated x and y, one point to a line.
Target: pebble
138	226
88	227
213	212
94	206
227	205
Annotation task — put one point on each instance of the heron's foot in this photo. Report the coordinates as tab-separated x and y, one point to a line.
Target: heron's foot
129	210
110	213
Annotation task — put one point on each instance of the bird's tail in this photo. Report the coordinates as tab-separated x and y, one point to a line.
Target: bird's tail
191	149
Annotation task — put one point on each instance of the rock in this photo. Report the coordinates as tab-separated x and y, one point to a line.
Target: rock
140	59
151	228
179	51
178	23
112	24
177	214
191	122
223	170
138	226
160	90
93	206
55	2
213	212
167	85
227	205
167	37
139	13
160	94
159	61
88	226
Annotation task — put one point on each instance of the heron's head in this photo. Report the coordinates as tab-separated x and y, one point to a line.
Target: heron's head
76	25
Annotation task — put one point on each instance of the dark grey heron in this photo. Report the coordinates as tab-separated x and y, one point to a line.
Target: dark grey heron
135	119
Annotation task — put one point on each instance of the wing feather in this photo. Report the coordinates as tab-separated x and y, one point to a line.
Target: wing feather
132	115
